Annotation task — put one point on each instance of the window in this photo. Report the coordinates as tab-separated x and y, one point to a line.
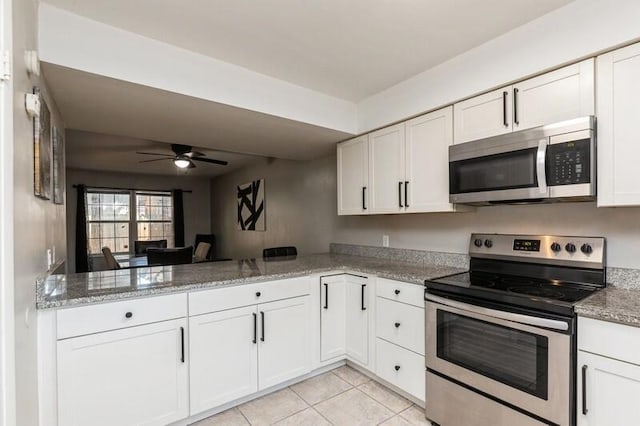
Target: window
111	222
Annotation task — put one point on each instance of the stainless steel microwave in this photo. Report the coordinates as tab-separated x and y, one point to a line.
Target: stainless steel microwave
551	163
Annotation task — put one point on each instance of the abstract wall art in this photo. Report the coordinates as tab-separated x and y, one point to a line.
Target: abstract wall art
251	215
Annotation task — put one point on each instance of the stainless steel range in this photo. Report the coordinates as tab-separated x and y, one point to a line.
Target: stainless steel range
501	338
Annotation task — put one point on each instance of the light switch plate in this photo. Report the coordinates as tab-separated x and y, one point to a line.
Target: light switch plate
385	241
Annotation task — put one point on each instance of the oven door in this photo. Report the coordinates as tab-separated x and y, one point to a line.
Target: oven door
482	172
518	359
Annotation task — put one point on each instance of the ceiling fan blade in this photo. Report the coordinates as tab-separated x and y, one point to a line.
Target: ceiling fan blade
211	161
155	159
194	154
154	153
191	165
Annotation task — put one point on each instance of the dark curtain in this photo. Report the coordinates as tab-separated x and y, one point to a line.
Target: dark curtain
178	217
82	255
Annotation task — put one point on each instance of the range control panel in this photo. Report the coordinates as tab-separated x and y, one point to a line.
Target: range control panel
585	252
569	163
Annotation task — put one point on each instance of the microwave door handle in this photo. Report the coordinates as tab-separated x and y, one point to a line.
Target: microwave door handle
541	166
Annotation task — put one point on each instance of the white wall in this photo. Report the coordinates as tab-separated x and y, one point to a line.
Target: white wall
197	211
300	207
577	30
38	224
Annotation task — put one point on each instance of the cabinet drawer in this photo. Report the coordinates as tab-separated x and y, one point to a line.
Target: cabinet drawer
617	341
400	324
413	294
203	302
126	313
401	367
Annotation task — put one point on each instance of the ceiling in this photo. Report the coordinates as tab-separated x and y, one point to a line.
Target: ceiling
349	49
104	105
100	152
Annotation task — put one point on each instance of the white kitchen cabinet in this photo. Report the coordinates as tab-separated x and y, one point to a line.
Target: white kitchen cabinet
284	341
353	176
610	397
482	116
132	376
427	142
224	357
357	319
386	170
555	96
618	103
333	312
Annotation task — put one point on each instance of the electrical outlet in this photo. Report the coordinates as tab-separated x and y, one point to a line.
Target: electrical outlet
385	241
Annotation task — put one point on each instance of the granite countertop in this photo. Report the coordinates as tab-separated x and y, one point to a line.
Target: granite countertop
621	305
87	288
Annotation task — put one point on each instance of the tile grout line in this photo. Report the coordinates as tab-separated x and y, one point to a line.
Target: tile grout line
321	415
382	403
243	416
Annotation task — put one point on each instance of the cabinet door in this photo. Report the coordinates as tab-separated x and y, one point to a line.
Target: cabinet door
224	357
558	95
618	127
611	391
483	116
427	161
357	324
386	169
133	376
332	317
284	345
353	163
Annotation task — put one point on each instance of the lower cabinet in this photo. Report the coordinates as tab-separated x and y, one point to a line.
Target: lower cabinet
131	376
237	352
401	367
344	318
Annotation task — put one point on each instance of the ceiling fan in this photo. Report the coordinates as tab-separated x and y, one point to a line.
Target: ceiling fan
183	157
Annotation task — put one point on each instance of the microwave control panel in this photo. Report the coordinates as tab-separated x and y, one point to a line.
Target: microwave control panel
569	163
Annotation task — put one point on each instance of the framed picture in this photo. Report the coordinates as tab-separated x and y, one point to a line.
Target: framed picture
58	166
42	150
251	206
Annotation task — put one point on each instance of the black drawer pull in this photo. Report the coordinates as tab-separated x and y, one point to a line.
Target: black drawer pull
516	119
397	325
326	296
364	206
255	328
397	292
128	315
364	308
397	367
182	344
584	390
258	294
406	190
504	109
262	318
400	194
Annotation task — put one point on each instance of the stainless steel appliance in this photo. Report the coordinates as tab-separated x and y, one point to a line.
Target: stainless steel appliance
550	163
501	338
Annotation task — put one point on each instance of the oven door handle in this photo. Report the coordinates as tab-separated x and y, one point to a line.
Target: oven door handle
508	316
541	171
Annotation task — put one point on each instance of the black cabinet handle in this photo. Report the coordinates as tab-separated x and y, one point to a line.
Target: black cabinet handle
400	194
584	390
364	206
396	291
326	296
128	314
255	328
504	108
397	324
258	294
182	344
515	106
364	308
262	331
406	199
397	367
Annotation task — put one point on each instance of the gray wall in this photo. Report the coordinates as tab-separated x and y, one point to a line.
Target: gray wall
301	210
197	211
38	224
300	207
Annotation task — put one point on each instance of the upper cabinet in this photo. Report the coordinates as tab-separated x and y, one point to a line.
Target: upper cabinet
618	103
407	169
558	95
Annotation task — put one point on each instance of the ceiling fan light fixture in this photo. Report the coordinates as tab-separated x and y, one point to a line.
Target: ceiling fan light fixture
182	163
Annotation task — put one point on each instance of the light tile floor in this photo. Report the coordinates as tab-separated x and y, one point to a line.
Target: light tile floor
341	397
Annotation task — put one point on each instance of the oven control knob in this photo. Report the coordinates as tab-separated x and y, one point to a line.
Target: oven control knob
570	247
586	249
488	243
555	247
477	242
